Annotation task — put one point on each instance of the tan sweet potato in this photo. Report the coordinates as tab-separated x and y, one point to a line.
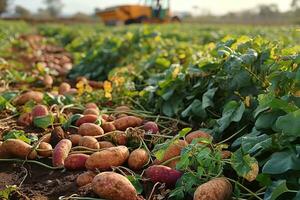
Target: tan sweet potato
197	134
76	161
138	159
91	105
89	142
215	189
172	151
18	148
85	178
113	186
44	149
46	138
27	96
106	144
119	138
108	127
60	152
86	119
90	129
130	121
25	119
64	87
3	152
91	111
75	138
104	160
48	81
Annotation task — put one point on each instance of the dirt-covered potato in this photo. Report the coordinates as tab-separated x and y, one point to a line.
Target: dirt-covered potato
111	157
44	149
138	159
90	129
113	186
89	142
85	178
18	148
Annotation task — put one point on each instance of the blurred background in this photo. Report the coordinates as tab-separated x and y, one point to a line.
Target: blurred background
114	12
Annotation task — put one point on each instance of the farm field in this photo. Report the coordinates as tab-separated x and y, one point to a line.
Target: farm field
179	111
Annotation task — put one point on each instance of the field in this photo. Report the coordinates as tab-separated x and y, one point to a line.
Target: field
180	111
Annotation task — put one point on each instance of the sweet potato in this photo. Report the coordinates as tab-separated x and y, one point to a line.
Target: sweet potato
90	129
138	159
104	160
3	152
121	115
76	161
18	148
163	174
121	109
60	152
197	134
39	111
151	127
64	87
85	178
172	151
25	119
119	138
86	119
27	96
48	81
46	138
75	138
225	154
91	111
89	142
57	135
44	149
130	121
107	118
91	105
215	189
106	144
113	186
108	127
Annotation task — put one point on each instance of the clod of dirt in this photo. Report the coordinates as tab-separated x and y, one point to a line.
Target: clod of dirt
57	135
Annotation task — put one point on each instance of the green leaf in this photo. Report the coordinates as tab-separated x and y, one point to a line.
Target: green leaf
71	121
6	191
135	181
275	190
232	112
297	197
44	121
290	123
207	98
17	134
281	162
242	163
184	131
267	120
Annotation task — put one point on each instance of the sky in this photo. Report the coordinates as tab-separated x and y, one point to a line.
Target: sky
213	6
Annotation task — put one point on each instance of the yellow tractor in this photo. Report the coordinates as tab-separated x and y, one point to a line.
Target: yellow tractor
151	11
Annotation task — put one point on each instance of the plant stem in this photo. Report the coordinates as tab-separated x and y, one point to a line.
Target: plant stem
31	161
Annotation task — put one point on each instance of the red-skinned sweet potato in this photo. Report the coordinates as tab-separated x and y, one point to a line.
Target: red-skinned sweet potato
44	149
27	96
39	111
91	111
113	186
64	88
76	161
60	152
105	144
25	119
197	134
89	142
163	174
75	138
108	127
